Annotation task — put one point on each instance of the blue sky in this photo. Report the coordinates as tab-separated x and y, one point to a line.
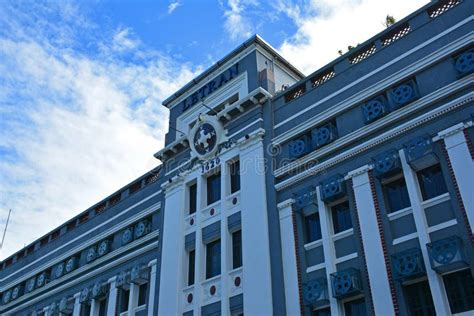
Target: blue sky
81	85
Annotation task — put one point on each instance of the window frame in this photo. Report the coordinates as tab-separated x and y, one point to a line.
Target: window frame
210	273
390	181
211	185
234	176
438	188
333	217
237	261
307	229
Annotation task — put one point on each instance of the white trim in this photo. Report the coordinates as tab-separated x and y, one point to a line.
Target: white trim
407	71
92	273
149	210
313	244
343	234
436	200
442	225
316	267
435	281
379	124
245	127
404	238
381	138
399	214
346	258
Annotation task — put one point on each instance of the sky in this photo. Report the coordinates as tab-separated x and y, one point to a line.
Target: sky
81	85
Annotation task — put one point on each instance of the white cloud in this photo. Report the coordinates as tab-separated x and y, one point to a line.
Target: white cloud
173	6
75	127
123	40
327	26
237	24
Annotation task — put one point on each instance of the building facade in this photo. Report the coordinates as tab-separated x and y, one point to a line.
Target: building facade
346	192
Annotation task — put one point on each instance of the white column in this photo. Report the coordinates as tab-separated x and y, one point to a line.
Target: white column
112	303
95	307
463	166
255	238
288	253
46	311
328	250
372	242
132	299
225	242
77	305
438	292
199	260
152	292
171	275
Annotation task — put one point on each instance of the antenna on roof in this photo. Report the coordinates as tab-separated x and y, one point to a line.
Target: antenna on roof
5	231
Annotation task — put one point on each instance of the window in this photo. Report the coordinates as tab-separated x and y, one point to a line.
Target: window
213	188
355	308
419	300
237	249
213	259
123	300
341	217
460	289
313	227
431	182
396	195
191	262
85	309
103	307
142	293
235	177
192	198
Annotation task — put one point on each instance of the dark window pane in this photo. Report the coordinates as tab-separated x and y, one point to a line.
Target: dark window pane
460	289
123	300
355	308
192	198
235	177
213	259
142	294
397	195
213	188
237	249
85	310
432	182
341	217
419	300
191	261
313	227
102	307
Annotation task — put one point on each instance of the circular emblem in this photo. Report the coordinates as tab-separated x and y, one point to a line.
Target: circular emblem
141	229
205	136
103	247
84	295
342	283
70	265
97	290
30	285
205	139
312	291
16	293
127	236
59	270
40	280
7	296
91	254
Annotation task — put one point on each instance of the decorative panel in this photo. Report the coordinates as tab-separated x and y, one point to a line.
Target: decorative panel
324	135
408	264
374	109
346	283
387	164
447	254
333	189
305	197
315	292
420	154
299	147
403	94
